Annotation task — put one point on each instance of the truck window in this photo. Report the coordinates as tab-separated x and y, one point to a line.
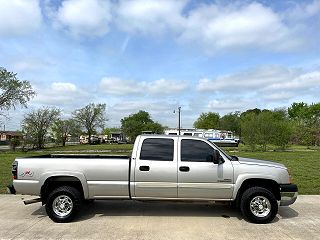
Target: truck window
208	135
195	151
188	134
157	149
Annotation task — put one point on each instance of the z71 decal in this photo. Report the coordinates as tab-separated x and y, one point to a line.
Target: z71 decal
26	173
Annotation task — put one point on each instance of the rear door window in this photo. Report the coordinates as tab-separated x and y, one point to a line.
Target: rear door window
157	149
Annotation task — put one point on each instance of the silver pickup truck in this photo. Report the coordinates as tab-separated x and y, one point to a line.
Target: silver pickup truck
170	168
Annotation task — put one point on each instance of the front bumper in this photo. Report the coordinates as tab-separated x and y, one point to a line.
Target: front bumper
288	193
11	189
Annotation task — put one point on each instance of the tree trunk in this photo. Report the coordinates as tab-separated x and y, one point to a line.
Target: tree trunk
89	138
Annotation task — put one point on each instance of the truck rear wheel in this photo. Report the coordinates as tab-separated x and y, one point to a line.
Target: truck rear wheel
63	204
258	205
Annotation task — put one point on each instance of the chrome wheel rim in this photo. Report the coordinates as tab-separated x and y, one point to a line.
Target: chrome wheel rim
62	205
260	206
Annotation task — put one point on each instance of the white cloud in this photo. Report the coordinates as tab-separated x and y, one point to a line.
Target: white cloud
83	17
61	94
213	26
216	27
63	87
229	105
150	16
300	11
19	17
250	79
301	82
164	86
273	83
117	86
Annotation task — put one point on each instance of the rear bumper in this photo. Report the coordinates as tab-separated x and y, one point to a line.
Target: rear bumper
11	189
288	193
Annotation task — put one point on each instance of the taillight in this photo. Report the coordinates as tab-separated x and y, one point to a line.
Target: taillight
15	170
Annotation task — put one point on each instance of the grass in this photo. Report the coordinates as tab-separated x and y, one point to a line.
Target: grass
303	162
303	165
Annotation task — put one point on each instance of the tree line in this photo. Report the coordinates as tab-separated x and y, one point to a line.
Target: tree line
298	124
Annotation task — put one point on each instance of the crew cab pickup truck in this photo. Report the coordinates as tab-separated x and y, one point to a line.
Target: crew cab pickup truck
162	167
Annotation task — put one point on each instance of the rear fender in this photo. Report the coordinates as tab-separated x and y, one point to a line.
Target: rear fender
77	175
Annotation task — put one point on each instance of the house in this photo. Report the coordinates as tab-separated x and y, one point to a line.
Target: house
6	136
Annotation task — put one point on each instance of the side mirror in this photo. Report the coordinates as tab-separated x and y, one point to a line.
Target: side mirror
217	159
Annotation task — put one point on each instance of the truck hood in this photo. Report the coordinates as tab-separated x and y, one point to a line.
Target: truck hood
260	162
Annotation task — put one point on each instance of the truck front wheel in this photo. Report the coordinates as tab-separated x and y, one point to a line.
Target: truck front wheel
63	203
258	205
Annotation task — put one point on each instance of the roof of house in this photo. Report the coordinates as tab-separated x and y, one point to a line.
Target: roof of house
11	133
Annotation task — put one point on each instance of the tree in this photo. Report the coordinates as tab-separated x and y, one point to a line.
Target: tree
13	91
231	122
134	124
37	123
108	131
249	129
266	127
208	120
256	111
298	111
65	128
306	120
91	117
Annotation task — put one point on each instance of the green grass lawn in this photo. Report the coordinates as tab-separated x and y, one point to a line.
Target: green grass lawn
303	163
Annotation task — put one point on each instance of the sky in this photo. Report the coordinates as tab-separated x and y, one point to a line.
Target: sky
219	56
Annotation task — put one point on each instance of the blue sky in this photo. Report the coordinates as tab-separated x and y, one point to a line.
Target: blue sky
220	56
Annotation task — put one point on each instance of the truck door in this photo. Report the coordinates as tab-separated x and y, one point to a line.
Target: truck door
198	176
156	168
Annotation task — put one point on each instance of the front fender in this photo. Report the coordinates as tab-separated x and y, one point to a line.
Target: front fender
243	177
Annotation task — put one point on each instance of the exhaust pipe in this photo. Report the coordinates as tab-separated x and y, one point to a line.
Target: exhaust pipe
27	202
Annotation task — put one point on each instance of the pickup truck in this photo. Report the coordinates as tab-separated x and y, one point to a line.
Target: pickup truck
162	167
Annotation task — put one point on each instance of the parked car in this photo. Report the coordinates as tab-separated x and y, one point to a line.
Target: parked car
162	167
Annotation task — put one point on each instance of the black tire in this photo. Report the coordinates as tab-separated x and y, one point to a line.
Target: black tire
259	196
68	194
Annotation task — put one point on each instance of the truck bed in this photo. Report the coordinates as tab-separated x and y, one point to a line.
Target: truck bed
104	156
102	176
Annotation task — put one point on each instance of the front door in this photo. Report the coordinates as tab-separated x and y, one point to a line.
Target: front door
198	177
156	169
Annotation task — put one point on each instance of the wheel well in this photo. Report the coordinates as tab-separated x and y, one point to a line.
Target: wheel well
269	184
57	181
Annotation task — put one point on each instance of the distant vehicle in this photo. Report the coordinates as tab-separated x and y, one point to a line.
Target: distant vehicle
161	167
221	138
95	140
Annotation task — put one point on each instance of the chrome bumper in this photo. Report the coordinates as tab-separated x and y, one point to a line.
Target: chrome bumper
288	193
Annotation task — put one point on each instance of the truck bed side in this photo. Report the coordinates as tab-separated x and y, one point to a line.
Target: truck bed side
100	176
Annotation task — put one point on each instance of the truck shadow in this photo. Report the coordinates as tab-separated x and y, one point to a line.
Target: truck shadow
135	208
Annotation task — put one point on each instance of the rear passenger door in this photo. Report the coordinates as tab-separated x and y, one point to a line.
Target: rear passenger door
156	168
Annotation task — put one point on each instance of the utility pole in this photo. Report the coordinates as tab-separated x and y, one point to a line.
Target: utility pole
179	119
